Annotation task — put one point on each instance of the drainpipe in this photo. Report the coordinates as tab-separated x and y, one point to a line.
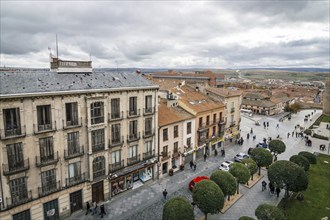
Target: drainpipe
3	198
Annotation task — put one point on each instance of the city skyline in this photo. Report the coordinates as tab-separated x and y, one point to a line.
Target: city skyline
167	34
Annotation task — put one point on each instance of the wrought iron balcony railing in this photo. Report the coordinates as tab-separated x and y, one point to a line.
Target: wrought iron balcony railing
49	188
16	167
74	152
75	180
133	137
149	154
21	198
133	160
114	116
12	132
47	160
116	166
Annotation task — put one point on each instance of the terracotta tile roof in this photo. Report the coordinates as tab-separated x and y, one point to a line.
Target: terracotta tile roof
224	92
195	100
165	84
255	95
170	115
260	103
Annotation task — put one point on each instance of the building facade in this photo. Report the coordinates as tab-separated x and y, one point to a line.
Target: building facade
68	138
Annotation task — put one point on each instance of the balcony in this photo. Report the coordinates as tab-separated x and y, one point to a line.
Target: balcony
72	124
133	160
99	174
16	168
71	181
47	160
38	129
19	199
148	133
133	137
115	116
148	111
222	121
232	124
97	119
232	110
75	152
165	155
204	126
50	188
116	166
133	114
12	133
118	141
149	154
98	147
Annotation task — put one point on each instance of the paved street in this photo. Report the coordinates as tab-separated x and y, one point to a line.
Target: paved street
147	203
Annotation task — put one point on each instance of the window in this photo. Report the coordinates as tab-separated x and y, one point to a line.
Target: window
98	167
25	215
74	171
115	133
51	210
189	142
115	157
200	122
115	108
148	104
189	128
214	118
148	146
133	106
98	140
18	190
46	149
176	147
165	151
176	131
133	129
73	143
44	117
165	134
15	156
12	122
148	126
48	180
214	130
97	112
132	151
220	116
207	120
71	110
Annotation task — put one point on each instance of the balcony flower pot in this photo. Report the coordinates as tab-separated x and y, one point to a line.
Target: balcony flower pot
170	172
182	167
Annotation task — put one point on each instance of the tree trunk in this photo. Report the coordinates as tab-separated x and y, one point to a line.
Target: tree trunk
205	216
237	187
252	177
228	197
259	170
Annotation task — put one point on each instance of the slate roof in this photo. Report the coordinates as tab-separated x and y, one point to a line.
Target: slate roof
43	81
170	115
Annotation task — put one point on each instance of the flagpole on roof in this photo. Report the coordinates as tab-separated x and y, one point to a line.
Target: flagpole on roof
56	47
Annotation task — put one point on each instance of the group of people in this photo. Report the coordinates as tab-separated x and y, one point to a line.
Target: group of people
240	141
266	124
271	188
93	209
322	147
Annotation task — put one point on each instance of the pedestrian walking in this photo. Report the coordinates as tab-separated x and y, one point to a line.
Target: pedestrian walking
248	136
251	131
288	134
254	137
164	194
264	124
267	124
204	157
278	190
88	207
102	211
272	190
191	164
292	134
264	185
195	166
277	126
94	211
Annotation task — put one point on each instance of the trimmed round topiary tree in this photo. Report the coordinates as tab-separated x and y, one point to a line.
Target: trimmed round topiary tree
178	208
240	172
226	181
246	218
276	147
309	156
208	197
251	165
266	211
262	157
301	161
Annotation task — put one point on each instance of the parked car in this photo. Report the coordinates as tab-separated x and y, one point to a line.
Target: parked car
239	157
262	144
225	166
197	179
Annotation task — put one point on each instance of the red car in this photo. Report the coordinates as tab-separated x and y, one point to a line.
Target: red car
196	180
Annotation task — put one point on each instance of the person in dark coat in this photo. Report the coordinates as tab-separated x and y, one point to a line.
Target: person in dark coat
164	194
191	164
278	190
102	211
88	207
204	157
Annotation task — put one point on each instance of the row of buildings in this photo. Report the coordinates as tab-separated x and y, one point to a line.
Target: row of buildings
71	135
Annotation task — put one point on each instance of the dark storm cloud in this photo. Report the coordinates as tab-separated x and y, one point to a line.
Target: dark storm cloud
166	33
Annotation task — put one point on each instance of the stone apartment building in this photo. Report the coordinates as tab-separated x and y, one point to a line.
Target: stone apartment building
176	134
72	137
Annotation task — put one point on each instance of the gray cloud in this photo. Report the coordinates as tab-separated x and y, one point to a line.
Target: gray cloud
167	34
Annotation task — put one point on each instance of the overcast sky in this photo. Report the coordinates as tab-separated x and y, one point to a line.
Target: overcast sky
167	34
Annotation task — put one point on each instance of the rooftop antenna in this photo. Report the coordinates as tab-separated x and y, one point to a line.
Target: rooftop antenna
56	47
